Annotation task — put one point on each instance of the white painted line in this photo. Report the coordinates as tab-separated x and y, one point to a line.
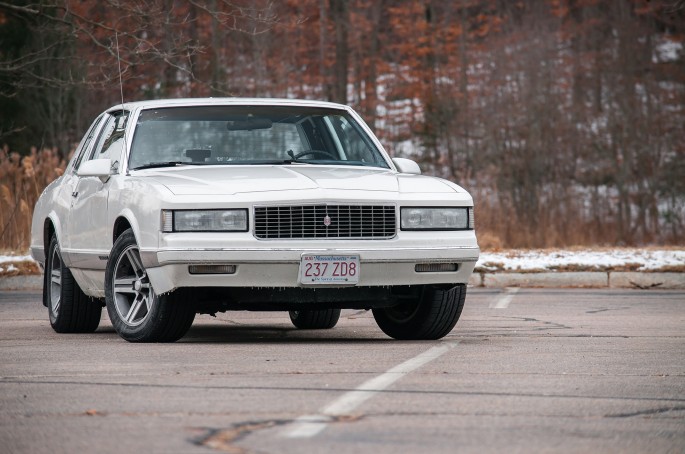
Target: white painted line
310	425
504	300
306	426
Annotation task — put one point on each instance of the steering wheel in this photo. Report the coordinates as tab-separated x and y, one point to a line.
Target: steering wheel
314	153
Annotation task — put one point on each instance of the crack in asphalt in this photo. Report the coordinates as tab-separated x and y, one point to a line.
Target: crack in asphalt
605	309
35	379
513	414
225	439
653	411
498	335
343	390
547	324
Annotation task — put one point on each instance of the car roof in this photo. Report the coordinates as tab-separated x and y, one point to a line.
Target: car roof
183	102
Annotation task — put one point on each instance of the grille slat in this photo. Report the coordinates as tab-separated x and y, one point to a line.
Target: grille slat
307	221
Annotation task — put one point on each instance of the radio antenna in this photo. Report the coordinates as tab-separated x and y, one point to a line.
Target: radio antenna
121	90
121	82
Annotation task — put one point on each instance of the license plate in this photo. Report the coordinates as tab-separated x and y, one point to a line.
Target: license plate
329	269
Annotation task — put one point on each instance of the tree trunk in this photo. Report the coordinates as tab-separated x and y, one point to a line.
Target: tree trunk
341	19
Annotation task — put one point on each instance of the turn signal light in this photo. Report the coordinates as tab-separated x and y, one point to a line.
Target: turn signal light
212	269
436	267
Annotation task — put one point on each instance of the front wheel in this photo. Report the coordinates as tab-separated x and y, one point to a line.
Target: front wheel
318	319
70	310
137	313
430	315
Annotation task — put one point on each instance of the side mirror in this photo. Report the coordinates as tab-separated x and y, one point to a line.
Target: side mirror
101	168
406	166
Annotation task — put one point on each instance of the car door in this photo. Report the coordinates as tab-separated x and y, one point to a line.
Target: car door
89	236
63	197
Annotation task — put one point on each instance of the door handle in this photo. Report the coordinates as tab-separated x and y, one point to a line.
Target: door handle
74	194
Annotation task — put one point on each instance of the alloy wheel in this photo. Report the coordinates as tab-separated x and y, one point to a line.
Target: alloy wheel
133	294
55	282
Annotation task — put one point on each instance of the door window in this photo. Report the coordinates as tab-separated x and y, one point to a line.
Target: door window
85	144
112	138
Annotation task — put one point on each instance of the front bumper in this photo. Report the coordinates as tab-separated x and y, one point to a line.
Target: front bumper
279	267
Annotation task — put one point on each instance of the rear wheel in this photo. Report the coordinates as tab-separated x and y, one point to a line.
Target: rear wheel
431	315
137	313
315	319
70	310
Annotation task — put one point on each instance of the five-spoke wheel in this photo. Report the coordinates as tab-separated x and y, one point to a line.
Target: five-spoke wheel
55	276
133	295
137	313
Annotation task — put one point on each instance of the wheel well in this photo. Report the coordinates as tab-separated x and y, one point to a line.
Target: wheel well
48	231
120	226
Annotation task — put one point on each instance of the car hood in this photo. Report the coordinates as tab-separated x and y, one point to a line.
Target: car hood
243	179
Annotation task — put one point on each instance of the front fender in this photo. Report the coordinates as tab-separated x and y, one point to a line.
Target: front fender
130	217
40	237
140	204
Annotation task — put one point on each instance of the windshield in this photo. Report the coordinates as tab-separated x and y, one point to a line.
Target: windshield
220	135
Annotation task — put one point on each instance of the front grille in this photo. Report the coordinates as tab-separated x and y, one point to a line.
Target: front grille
309	221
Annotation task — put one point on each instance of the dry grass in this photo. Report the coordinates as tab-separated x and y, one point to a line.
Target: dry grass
499	227
22	179
21	268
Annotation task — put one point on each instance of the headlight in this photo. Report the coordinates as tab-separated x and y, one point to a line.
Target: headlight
435	218
204	221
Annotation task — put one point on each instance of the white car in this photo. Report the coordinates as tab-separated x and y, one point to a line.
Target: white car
175	207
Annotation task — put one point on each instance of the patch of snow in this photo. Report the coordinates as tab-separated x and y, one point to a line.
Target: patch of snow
526	260
16	258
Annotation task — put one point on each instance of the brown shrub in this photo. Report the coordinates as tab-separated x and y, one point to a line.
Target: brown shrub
22	179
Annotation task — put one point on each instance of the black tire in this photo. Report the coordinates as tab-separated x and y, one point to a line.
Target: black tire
318	319
137	313
70	310
430	316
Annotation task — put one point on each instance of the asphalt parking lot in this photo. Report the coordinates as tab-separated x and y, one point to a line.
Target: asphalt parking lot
526	370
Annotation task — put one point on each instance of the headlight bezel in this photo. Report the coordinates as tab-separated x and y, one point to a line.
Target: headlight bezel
170	220
465	211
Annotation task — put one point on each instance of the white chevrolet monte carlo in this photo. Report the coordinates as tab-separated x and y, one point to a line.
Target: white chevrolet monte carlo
170	208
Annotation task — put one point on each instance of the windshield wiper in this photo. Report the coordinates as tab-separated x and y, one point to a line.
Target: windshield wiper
269	162
153	165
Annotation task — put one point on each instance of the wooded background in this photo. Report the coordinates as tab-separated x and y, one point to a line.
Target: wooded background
565	119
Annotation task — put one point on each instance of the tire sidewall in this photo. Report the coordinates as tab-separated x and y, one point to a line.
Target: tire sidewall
315	319
426	321
409	324
47	286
